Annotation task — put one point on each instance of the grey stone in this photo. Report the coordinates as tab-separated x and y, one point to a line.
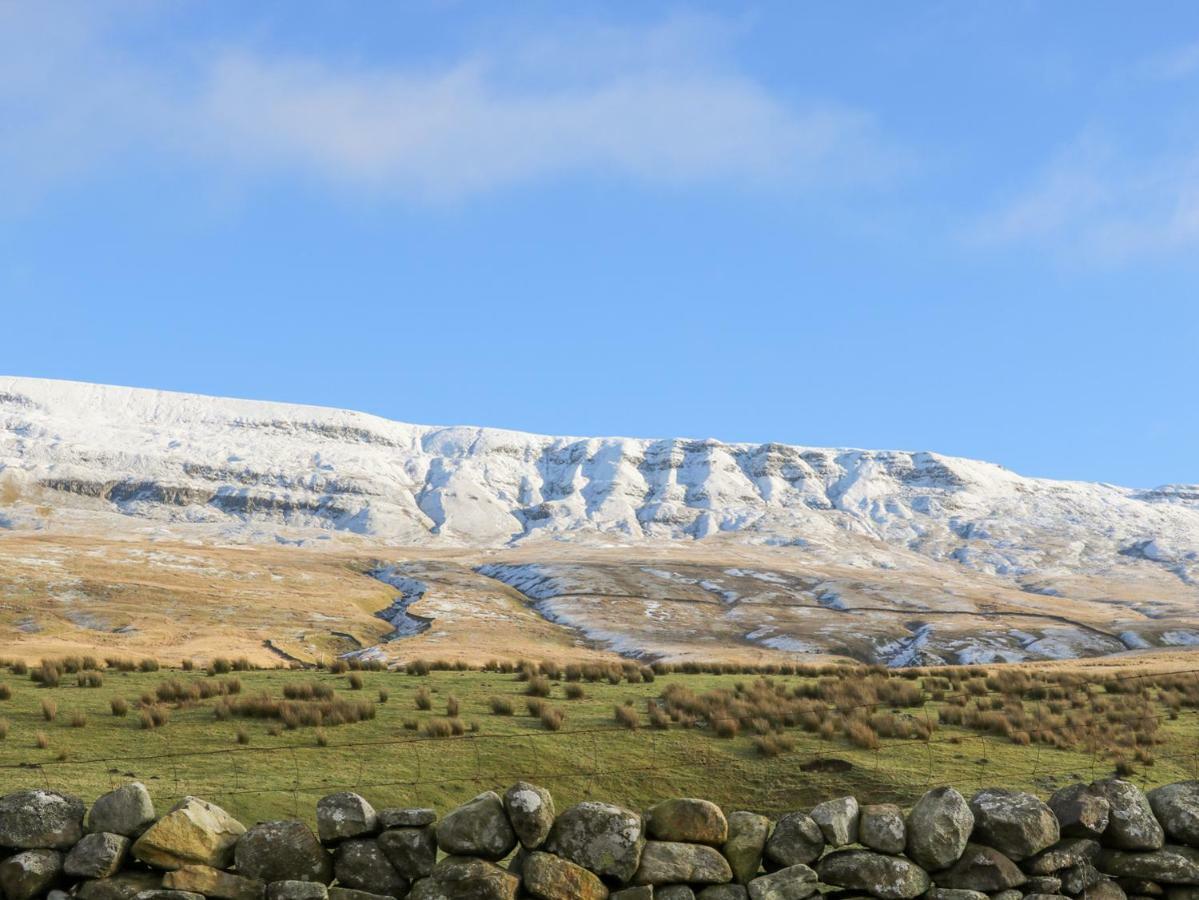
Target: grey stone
1172	864
1142	887
723	892
1015	823
796	840
1078	877
550	877
936	893
792	883
1040	896
1065	853
345	815
1130	825
31	873
746	842
688	820
214	883
939	826
1043	884
290	889
531	811
462	878
398	817
413	851
344	893
283	851
636	892
603	838
880	875
97	855
479	828
40	820
674	892
838	820
881	827
671	862
980	869
165	894
1009	894
1176	807
128	810
1081	810
360	864
1104	890
123	886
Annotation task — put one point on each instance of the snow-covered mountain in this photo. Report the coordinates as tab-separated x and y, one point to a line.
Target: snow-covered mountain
671	548
255	469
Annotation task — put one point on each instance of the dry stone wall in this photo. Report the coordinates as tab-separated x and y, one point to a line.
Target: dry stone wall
1101	841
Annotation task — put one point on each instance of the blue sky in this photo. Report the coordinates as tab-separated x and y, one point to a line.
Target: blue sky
965	227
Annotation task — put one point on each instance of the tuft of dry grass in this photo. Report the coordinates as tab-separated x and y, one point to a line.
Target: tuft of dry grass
48	674
860	734
535	705
308	690
772	745
444	728
627	717
297	713
152	716
501	706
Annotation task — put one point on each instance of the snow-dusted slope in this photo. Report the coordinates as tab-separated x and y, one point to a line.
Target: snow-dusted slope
243	469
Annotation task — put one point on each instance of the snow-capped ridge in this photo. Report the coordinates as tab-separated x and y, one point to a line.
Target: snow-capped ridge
250	469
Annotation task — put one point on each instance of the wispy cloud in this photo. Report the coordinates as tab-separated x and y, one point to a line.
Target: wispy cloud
1180	62
663	105
1095	203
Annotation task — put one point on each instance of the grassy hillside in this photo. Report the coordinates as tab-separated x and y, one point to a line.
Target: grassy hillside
788	742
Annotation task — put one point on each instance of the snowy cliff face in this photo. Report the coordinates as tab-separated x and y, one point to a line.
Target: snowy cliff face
252	470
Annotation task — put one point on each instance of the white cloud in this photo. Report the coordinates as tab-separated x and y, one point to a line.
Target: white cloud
663	105
1095	203
1181	62
456	132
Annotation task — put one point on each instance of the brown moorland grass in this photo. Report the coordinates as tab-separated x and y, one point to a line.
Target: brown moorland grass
136	582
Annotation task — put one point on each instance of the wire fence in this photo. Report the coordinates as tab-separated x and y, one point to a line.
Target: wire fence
612	763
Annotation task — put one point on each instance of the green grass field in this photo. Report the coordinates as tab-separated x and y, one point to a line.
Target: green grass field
278	772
